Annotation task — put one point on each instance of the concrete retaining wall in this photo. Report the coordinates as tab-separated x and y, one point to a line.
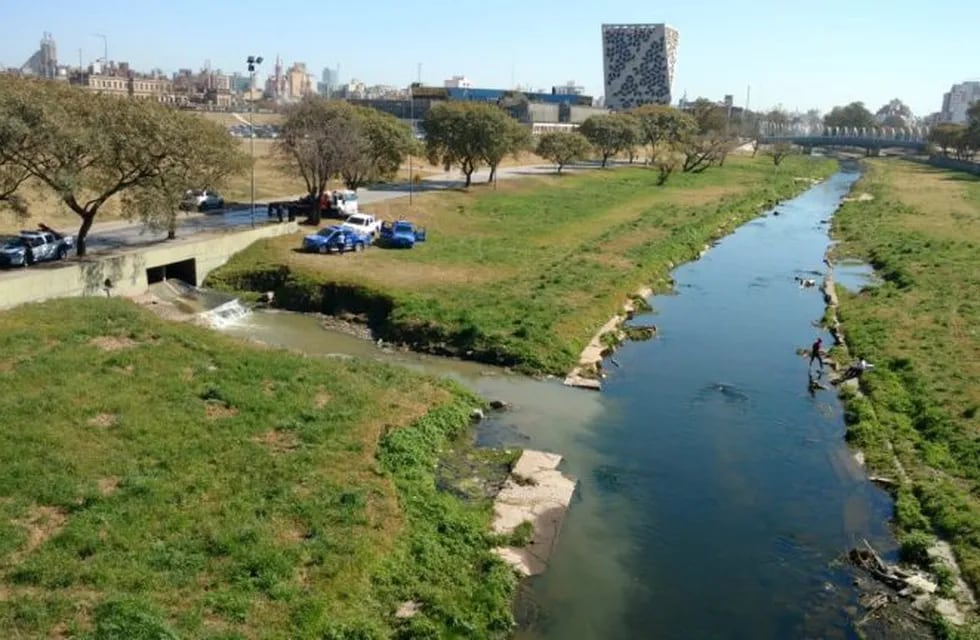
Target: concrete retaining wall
127	269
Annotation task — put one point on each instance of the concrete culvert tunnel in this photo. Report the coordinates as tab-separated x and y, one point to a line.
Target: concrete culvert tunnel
185	270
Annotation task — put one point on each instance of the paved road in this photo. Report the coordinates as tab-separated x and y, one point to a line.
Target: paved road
108	236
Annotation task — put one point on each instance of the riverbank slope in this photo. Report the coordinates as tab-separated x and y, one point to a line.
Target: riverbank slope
522	275
158	478
919	417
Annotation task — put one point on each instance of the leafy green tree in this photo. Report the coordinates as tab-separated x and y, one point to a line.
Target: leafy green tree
710	117
854	115
461	133
610	134
666	158
973	124
663	124
895	114
210	156
503	136
383	143
779	151
320	138
563	147
89	148
15	140
946	136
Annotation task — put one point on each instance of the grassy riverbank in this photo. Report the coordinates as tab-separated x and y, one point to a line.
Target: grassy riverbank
524	274
922	234
161	480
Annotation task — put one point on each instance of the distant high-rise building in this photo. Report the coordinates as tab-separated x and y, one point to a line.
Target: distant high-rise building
329	81
638	61
957	100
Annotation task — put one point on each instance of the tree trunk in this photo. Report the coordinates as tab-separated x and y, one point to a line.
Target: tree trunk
605	157
469	177
493	173
80	242
560	165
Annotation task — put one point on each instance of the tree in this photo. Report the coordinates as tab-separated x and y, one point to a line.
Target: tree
946	135
663	124
15	137
382	144
89	148
666	131
895	114
503	136
779	151
563	147
320	138
710	117
210	156
610	134
667	159
704	150
854	115
459	133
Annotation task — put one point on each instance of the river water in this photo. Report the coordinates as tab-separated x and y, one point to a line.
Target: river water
716	495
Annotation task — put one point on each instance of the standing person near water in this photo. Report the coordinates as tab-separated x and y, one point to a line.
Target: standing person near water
815	353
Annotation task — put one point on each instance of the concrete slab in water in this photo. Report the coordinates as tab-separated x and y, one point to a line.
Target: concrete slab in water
540	494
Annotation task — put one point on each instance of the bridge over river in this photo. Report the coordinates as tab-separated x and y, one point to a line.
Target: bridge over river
873	139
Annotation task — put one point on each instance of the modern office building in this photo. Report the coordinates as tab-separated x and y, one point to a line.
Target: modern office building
638	61
957	100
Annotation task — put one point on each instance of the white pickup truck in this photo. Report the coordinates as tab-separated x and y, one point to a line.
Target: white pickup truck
364	224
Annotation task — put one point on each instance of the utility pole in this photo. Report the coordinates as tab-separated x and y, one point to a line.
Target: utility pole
252	62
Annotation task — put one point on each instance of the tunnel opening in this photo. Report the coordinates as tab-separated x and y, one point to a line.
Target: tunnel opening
185	270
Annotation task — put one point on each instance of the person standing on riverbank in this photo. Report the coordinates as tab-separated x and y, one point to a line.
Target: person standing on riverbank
815	353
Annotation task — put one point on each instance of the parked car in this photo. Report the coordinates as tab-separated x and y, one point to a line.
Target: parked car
35	246
335	238
363	223
400	234
202	200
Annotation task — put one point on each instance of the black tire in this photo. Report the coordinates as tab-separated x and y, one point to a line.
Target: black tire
62	252
221	204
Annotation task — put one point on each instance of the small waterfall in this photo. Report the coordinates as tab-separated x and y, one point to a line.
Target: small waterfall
212	308
225	314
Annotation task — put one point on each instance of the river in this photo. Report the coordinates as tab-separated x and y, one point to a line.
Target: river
716	494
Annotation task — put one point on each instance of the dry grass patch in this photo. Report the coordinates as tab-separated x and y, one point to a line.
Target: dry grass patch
108	485
321	398
42	522
103	420
216	410
113	343
278	441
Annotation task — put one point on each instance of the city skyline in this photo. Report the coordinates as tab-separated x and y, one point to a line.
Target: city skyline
795	57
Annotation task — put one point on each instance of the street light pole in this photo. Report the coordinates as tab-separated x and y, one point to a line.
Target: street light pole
252	62
105	47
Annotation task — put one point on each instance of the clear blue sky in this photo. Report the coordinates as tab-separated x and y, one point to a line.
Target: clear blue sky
798	54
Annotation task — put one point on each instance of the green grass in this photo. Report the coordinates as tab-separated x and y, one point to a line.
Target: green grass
161	480
922	234
523	275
